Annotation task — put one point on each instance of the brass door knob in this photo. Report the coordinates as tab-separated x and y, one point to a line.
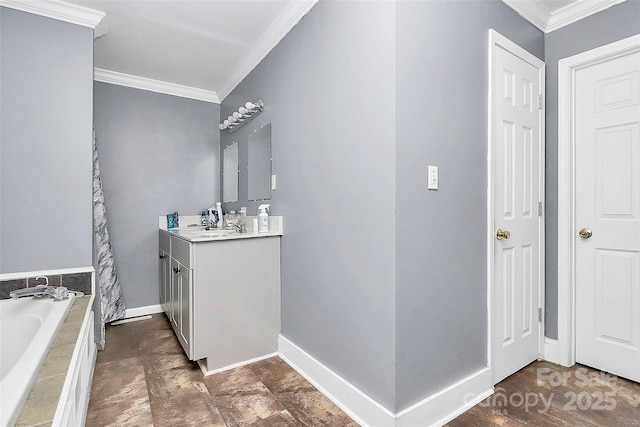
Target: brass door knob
585	233
502	234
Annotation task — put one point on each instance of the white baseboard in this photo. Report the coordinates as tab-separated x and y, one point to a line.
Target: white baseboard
551	350
142	311
435	410
445	405
360	407
202	363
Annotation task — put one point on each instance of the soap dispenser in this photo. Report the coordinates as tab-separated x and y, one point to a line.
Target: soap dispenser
263	219
220	215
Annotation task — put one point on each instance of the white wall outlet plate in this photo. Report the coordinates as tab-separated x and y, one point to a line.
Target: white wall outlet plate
432	177
273	182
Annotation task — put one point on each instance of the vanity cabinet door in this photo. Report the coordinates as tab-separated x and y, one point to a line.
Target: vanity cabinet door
186	304
165	281
182	294
174	297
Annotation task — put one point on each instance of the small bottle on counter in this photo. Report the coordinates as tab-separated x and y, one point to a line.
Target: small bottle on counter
212	217
220	214
263	218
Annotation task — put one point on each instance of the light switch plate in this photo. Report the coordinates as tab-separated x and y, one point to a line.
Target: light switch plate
432	177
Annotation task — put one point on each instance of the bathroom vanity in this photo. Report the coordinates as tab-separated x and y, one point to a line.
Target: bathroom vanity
221	292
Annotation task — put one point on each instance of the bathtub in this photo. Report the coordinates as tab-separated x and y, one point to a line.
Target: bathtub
28	327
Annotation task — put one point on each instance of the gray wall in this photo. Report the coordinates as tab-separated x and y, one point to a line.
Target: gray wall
441	252
158	154
375	296
329	93
46	81
616	23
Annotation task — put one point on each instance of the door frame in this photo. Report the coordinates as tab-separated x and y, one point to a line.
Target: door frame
498	41
567	68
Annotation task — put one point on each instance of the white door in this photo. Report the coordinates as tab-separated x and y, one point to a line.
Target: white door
607	126
516	170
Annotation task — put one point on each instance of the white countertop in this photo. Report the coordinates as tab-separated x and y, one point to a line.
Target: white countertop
199	234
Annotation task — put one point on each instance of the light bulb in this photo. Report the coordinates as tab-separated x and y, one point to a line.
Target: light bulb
237	115
232	119
221	126
250	105
243	110
226	123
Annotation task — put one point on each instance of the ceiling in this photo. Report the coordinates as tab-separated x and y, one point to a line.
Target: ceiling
203	48
205	44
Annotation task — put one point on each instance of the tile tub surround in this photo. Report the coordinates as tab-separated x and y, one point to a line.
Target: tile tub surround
41	405
144	378
73	281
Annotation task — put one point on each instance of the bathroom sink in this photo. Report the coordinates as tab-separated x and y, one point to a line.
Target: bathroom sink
200	233
211	233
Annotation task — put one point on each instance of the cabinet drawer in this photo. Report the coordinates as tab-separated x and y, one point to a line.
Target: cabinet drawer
164	241
181	251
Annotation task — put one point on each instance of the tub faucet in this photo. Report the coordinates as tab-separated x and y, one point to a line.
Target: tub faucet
56	292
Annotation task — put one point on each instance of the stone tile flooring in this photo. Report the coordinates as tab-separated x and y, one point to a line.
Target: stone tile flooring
143	378
546	394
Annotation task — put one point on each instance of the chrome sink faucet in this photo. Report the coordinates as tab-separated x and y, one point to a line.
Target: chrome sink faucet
55	292
240	228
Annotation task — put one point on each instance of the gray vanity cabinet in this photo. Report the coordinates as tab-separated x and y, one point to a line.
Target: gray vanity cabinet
224	298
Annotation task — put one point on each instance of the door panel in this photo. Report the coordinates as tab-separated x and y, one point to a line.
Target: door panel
516	161
185	308
174	307
607	122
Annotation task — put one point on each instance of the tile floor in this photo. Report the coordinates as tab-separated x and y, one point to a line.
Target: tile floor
546	394
143	379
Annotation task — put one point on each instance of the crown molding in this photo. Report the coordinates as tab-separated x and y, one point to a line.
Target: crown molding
538	15
576	11
137	82
60	10
289	17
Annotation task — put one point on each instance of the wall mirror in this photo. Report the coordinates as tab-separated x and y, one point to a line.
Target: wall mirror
230	173
259	168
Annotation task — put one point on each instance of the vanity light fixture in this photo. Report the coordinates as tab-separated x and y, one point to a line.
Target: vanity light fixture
243	116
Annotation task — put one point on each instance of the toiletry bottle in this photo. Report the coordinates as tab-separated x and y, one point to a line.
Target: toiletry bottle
203	219
220	214
176	219
263	219
212	216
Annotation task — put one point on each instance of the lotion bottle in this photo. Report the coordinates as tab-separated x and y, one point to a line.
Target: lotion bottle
263	219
